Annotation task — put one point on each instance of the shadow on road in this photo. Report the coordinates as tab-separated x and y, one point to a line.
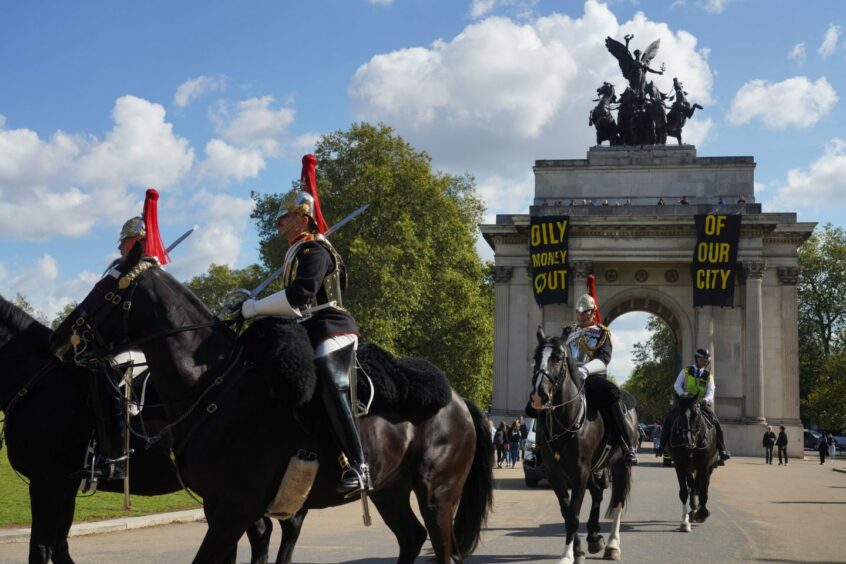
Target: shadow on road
812	502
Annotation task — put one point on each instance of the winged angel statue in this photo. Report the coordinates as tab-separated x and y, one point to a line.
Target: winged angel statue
635	66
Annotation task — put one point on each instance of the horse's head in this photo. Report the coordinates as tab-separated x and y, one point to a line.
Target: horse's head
549	368
691	419
98	326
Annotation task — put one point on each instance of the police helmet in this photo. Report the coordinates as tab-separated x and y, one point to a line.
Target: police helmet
703	354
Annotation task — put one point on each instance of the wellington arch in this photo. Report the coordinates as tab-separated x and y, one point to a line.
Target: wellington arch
640	254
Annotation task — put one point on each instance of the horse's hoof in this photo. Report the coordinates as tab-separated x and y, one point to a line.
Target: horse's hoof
685	527
596	544
612	553
702	515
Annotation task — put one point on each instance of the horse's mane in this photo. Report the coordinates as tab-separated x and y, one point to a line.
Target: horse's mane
19	327
183	291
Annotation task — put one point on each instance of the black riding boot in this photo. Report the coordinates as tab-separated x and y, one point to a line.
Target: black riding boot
110	460
665	436
721	445
334	373
618	420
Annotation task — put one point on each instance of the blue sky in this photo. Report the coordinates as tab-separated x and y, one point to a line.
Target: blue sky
209	100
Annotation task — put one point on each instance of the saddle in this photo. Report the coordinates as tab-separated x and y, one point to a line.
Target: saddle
281	352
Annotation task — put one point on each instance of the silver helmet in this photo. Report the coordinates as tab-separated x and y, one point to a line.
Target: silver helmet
297	201
134	227
585	303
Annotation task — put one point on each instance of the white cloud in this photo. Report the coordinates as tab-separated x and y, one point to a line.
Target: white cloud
222	221
305	143
255	124
696	131
75	181
822	184
192	89
227	161
39	283
626	331
2	121
141	149
251	131
479	8
715	6
798	54
829	43
795	102
501	94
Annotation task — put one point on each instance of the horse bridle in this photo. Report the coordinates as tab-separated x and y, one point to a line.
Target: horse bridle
551	415
85	329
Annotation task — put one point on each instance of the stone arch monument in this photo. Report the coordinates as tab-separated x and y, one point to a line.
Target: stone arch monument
640	253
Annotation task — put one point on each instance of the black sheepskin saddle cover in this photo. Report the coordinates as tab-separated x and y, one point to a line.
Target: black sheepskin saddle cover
282	355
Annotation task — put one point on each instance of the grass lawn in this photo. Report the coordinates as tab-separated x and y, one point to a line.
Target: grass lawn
14	502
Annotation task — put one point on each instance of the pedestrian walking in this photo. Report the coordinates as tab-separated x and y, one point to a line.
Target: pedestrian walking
524	434
781	443
769	442
823	448
514	442
499	442
832	446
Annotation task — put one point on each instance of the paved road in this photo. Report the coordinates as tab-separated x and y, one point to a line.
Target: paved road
759	513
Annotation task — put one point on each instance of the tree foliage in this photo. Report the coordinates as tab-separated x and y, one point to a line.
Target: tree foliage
822	327
656	368
417	286
62	315
22	302
213	286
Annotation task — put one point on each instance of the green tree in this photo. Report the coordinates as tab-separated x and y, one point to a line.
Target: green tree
656	368
826	403
62	315
22	302
417	286
213	286
822	322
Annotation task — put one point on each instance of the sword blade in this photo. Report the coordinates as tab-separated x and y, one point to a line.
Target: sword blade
346	220
180	239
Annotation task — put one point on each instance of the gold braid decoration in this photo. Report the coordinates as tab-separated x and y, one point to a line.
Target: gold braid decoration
135	272
583	344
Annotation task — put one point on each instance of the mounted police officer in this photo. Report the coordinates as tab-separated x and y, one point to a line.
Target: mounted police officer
697	380
313	275
589	344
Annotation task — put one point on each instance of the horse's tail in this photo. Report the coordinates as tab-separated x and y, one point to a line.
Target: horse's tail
477	497
621	487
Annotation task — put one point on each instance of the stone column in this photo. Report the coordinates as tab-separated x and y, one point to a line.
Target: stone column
788	277
754	273
502	277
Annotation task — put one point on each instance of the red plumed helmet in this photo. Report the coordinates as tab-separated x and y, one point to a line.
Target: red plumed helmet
153	245
308	178
591	287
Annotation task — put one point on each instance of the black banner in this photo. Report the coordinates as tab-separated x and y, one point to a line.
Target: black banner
548	238
715	259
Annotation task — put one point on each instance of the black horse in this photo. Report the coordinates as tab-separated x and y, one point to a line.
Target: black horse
680	112
602	118
573	440
236	434
36	389
693	446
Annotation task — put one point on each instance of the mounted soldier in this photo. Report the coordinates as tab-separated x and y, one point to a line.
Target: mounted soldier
109	459
313	276
697	380
589	344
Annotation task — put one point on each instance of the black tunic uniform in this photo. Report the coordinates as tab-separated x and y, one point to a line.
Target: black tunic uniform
311	264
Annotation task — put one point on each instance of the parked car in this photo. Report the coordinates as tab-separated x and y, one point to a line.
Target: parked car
533	468
811	440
